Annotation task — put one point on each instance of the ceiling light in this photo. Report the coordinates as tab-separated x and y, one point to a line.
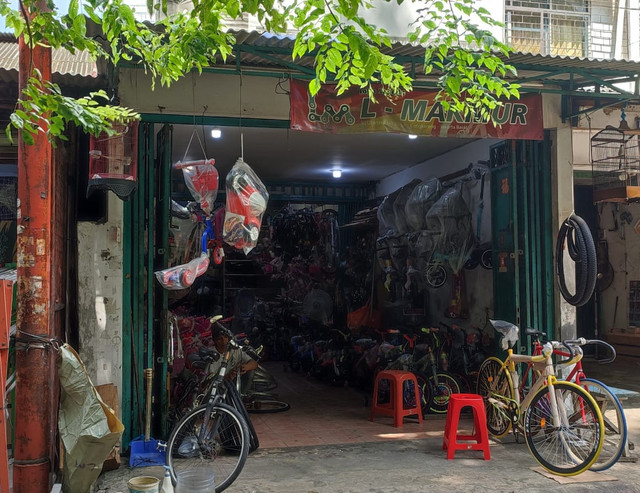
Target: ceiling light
337	173
216	133
413	136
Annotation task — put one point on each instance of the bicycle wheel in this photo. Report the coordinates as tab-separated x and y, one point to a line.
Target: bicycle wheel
495	387
257	406
615	423
224	448
435	275
444	384
426	393
571	444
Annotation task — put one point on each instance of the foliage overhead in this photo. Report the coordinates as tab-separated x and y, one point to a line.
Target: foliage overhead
348	50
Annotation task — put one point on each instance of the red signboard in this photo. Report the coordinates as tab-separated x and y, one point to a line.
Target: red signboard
417	112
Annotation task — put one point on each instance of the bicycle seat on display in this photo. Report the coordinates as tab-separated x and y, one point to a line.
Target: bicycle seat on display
530	331
510	333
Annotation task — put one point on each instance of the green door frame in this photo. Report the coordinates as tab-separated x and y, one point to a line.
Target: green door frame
146	250
522	230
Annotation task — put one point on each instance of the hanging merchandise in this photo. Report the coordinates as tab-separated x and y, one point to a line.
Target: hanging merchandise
201	178
182	276
113	161
246	203
575	237
402	226
450	219
420	201
386	215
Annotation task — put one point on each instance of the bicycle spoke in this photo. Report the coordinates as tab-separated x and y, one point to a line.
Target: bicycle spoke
568	440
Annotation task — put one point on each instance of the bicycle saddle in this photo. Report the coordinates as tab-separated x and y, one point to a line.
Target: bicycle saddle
530	331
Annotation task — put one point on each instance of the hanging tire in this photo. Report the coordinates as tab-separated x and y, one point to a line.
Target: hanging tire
582	251
435	275
486	259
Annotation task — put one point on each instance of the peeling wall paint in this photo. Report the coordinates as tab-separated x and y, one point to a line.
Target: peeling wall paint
100	297
618	223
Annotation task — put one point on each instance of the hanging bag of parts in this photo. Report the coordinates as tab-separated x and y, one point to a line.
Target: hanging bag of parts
201	178
247	199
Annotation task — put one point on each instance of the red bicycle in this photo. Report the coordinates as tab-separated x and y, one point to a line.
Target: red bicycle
615	436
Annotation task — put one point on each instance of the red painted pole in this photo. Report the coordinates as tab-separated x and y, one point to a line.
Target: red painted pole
36	377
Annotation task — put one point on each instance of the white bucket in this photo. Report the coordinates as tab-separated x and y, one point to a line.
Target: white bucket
144	484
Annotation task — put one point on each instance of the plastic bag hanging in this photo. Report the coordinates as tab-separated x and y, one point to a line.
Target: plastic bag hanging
247	199
201	178
182	276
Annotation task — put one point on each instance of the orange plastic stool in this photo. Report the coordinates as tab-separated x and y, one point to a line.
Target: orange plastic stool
395	407
451	440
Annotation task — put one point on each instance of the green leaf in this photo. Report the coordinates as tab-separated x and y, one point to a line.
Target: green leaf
314	86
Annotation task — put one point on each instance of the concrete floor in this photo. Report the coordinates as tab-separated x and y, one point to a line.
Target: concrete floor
326	443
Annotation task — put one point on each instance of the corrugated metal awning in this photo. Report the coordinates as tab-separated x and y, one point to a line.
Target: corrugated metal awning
570	73
62	61
271	54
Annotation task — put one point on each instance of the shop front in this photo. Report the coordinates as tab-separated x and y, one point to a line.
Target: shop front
327	251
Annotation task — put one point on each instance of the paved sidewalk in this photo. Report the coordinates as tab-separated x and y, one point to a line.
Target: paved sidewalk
401	460
403	465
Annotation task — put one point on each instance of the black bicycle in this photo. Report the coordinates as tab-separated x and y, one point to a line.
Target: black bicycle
213	435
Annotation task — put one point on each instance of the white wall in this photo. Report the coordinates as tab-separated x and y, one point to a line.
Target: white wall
397	19
100	296
222	95
624	255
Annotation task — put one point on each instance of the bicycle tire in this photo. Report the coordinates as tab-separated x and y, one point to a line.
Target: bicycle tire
426	393
615	423
494	382
446	385
436	275
266	406
572	447
225	451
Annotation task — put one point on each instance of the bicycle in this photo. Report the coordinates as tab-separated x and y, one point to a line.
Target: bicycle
254	387
615	422
615	433
561	421
436	384
212	435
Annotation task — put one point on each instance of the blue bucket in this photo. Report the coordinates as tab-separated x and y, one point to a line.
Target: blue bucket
147	452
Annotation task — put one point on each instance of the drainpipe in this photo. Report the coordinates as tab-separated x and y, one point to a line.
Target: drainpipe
36	376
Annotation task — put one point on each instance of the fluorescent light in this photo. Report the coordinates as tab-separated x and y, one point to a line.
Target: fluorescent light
413	136
337	173
216	133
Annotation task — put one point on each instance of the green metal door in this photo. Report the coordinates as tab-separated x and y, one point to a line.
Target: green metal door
146	219
522	234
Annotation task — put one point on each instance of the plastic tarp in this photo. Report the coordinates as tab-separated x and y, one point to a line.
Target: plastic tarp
88	428
450	220
421	199
402	226
386	216
247	199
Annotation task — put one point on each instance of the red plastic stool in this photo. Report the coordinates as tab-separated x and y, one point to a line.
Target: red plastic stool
395	407
451	440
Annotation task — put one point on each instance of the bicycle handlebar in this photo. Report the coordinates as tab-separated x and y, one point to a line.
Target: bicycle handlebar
600	342
246	347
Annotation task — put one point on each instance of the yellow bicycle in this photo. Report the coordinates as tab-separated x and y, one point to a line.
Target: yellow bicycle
561	422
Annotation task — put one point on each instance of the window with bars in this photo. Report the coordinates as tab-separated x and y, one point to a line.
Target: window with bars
548	27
